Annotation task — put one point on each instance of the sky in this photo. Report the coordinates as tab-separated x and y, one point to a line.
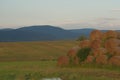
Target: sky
67	14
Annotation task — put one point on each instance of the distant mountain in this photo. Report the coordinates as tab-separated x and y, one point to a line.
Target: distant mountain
56	32
6	29
84	32
36	33
42	33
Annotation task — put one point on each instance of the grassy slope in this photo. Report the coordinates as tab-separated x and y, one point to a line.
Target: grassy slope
36	70
17	51
30	52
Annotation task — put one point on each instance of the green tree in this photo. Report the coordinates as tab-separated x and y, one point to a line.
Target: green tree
81	38
83	53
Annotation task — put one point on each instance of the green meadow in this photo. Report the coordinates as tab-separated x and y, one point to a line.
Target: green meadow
37	60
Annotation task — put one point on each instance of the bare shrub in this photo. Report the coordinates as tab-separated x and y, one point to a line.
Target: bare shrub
110	44
95	34
89	59
118	35
95	44
115	60
110	34
102	59
84	43
76	60
63	61
73	51
117	51
99	51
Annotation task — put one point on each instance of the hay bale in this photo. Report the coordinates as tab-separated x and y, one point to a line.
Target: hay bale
95	34
63	61
99	51
95	44
115	60
89	59
102	59
84	43
73	51
110	34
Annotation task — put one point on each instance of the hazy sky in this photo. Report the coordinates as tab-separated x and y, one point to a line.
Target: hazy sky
101	14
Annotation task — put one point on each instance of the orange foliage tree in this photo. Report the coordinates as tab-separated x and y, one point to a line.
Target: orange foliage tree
101	48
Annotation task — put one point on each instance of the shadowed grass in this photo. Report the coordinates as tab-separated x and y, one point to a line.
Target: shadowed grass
36	70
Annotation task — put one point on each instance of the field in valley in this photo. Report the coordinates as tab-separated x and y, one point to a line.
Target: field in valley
37	60
31	51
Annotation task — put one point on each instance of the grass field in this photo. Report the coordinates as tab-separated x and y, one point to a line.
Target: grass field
36	70
34	61
29	51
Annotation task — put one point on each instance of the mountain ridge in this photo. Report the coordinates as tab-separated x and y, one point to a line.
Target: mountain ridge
41	33
36	33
